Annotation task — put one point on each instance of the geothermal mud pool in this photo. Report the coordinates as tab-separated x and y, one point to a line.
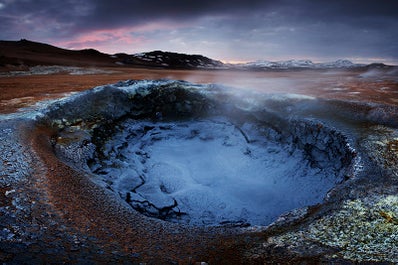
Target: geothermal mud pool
208	168
210	172
212	167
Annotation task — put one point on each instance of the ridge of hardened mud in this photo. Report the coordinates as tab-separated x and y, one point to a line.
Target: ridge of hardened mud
167	99
111	103
368	114
91	208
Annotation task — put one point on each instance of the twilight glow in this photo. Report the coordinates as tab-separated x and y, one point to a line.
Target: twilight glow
362	31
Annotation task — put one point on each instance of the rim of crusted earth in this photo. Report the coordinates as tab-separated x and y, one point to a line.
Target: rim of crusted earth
166	102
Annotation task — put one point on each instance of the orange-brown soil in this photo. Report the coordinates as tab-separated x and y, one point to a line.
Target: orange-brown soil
21	91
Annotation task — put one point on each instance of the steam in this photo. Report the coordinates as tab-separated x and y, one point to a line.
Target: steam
381	73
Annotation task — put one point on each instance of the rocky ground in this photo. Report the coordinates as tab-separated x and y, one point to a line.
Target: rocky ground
51	212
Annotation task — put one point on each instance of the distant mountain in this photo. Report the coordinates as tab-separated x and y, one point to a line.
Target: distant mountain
299	64
339	64
171	60
279	65
24	53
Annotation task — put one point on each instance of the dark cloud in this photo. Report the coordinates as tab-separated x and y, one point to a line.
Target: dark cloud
124	12
256	27
92	14
176	9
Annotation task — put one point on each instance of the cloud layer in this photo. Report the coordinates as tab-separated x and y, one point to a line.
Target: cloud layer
228	30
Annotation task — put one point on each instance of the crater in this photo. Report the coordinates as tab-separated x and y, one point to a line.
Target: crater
212	171
194	155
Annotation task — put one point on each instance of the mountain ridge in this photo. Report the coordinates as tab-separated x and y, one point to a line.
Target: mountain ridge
289	64
24	53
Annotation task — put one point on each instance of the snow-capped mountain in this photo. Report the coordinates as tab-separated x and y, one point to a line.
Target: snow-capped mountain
338	64
20	55
172	60
293	64
280	64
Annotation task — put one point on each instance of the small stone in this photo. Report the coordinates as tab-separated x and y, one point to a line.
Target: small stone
9	192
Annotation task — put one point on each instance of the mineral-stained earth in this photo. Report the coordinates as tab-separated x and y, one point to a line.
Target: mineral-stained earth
176	172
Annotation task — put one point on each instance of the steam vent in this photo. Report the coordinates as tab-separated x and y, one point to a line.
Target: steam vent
170	172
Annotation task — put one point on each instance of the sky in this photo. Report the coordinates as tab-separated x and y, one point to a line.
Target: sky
363	31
